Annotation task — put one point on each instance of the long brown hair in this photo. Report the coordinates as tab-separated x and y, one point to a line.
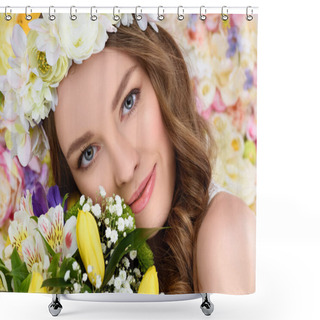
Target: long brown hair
161	58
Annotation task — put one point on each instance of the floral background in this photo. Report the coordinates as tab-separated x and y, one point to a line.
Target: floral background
222	61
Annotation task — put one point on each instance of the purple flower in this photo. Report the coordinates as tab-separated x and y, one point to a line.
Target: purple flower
234	42
42	202
192	22
249	80
39	200
54	197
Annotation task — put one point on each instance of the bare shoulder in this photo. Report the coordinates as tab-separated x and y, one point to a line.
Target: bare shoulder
225	253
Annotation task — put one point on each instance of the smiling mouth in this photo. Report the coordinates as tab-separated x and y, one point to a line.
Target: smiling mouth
141	197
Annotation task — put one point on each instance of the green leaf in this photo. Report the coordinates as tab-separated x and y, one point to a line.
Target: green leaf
35	218
145	257
1	100
15	259
54	265
3	267
56	283
24	287
86	288
64	199
16	284
20	272
131	242
73	211
50	250
67	265
7	274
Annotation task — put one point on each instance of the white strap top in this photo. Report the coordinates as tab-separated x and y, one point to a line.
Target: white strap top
215	188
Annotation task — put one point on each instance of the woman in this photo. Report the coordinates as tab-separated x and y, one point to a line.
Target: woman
126	120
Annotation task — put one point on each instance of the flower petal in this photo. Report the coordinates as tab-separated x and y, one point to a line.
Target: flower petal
70	237
24	153
18	41
54	197
39	200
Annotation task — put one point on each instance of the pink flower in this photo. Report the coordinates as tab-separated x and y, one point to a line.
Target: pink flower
218	104
212	22
252	129
237	20
11	185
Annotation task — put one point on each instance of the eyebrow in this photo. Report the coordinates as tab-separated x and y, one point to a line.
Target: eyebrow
79	142
122	86
88	135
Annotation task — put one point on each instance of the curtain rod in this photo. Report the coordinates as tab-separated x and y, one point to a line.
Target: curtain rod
128	9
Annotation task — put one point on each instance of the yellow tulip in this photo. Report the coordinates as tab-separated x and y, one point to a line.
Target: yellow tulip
89	245
36	282
149	283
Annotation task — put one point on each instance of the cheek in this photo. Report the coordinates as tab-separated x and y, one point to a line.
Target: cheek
152	132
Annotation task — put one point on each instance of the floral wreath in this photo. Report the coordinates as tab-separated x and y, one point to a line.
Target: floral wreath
42	59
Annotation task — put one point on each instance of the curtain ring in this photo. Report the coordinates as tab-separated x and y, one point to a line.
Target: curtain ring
93	17
116	17
160	16
224	16
138	16
52	16
249	16
203	16
28	16
180	15
8	17
73	17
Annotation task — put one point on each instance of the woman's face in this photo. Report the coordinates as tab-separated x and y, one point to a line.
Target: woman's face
111	132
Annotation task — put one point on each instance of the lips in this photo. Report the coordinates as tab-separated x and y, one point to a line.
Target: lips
141	197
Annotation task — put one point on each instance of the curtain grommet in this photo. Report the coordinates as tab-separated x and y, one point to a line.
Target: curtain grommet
116	17
93	17
8	17
249	17
160	16
203	16
180	15
138	16
73	17
52	16
28	16
224	13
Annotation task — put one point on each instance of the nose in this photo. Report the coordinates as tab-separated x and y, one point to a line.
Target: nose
125	158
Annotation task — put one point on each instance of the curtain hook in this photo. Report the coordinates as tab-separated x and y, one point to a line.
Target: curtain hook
249	16
28	16
93	17
224	16
160	16
116	17
73	17
8	17
180	15
138	16
203	16
52	16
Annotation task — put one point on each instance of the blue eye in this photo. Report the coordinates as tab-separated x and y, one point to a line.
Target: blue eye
86	156
130	101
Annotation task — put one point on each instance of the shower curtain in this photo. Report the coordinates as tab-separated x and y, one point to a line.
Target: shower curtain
128	153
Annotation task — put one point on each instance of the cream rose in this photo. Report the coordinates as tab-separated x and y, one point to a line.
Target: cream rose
38	59
82	37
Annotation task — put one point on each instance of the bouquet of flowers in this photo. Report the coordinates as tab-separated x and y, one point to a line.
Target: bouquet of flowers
58	245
